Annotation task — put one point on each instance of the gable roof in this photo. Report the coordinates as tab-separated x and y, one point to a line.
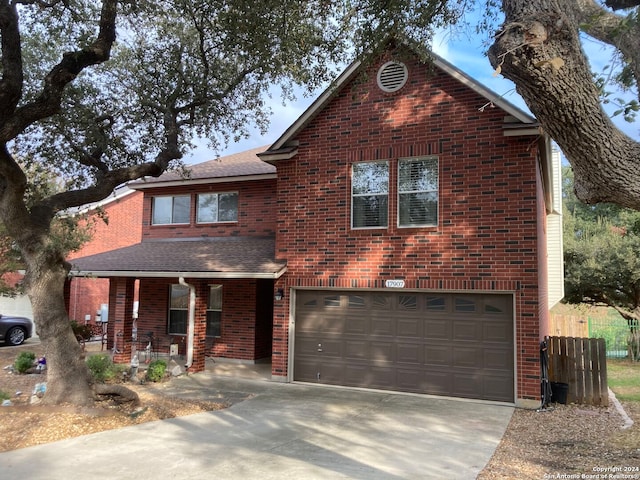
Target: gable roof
215	257
242	166
283	147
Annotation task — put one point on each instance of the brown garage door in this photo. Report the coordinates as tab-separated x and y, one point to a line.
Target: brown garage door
443	344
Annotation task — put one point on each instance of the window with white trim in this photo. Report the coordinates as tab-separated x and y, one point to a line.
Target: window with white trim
370	195
418	192
178	309
169	210
214	311
217	207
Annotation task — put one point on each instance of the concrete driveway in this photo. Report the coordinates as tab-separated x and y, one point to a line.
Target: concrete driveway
282	431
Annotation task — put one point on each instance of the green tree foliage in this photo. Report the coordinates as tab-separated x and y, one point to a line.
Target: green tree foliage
602	258
68	233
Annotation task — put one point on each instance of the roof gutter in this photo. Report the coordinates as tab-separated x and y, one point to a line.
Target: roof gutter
200	181
169	274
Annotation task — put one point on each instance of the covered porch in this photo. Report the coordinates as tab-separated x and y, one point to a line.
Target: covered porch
192	300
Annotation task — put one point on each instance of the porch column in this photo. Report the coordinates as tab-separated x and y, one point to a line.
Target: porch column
121	297
200	327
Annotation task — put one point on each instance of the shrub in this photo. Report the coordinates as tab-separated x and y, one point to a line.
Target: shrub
24	362
156	370
4	396
102	367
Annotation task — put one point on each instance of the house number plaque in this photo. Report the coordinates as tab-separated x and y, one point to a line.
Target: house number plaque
394	283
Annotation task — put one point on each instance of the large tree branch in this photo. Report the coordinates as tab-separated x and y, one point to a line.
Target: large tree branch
107	181
101	189
49	100
539	49
12	75
613	30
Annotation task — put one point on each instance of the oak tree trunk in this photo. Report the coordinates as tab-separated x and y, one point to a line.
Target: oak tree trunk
68	378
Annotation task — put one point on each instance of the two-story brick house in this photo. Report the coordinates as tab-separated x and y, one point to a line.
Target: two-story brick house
394	237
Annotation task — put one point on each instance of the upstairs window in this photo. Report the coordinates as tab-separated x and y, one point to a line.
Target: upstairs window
169	210
217	207
370	195
214	311
418	192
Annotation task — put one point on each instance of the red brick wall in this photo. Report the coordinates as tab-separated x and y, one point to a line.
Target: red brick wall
486	239
256	211
124	228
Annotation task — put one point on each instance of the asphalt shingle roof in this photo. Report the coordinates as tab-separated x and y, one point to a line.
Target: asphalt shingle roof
229	257
239	164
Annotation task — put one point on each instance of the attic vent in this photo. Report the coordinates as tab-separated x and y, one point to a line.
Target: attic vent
392	76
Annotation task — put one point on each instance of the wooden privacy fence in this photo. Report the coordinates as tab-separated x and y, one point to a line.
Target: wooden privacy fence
581	363
568	326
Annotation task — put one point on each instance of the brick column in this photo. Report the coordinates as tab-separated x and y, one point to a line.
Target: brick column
280	341
121	297
200	331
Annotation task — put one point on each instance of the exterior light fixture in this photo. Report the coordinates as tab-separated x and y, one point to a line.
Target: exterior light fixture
279	294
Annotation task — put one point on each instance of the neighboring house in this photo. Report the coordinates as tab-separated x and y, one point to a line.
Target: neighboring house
394	237
123	226
116	222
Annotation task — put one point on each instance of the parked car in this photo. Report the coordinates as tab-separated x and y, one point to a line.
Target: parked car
15	330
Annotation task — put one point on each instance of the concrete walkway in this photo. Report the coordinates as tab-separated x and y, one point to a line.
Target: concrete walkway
281	431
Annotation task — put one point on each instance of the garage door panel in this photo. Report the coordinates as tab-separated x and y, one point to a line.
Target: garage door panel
381	377
332	373
382	326
438	382
330	347
498	359
357	325
410	327
310	323
437	355
496	387
356	375
468	356
437	328
410	380
466	330
443	344
306	345
496	332
334	325
409	353
466	385
382	352
306	369
356	350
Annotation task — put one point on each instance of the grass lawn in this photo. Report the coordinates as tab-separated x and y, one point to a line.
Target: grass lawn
624	379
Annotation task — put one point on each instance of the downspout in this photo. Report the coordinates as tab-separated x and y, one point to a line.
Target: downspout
192	321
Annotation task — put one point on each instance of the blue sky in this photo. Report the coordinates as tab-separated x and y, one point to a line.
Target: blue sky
463	51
